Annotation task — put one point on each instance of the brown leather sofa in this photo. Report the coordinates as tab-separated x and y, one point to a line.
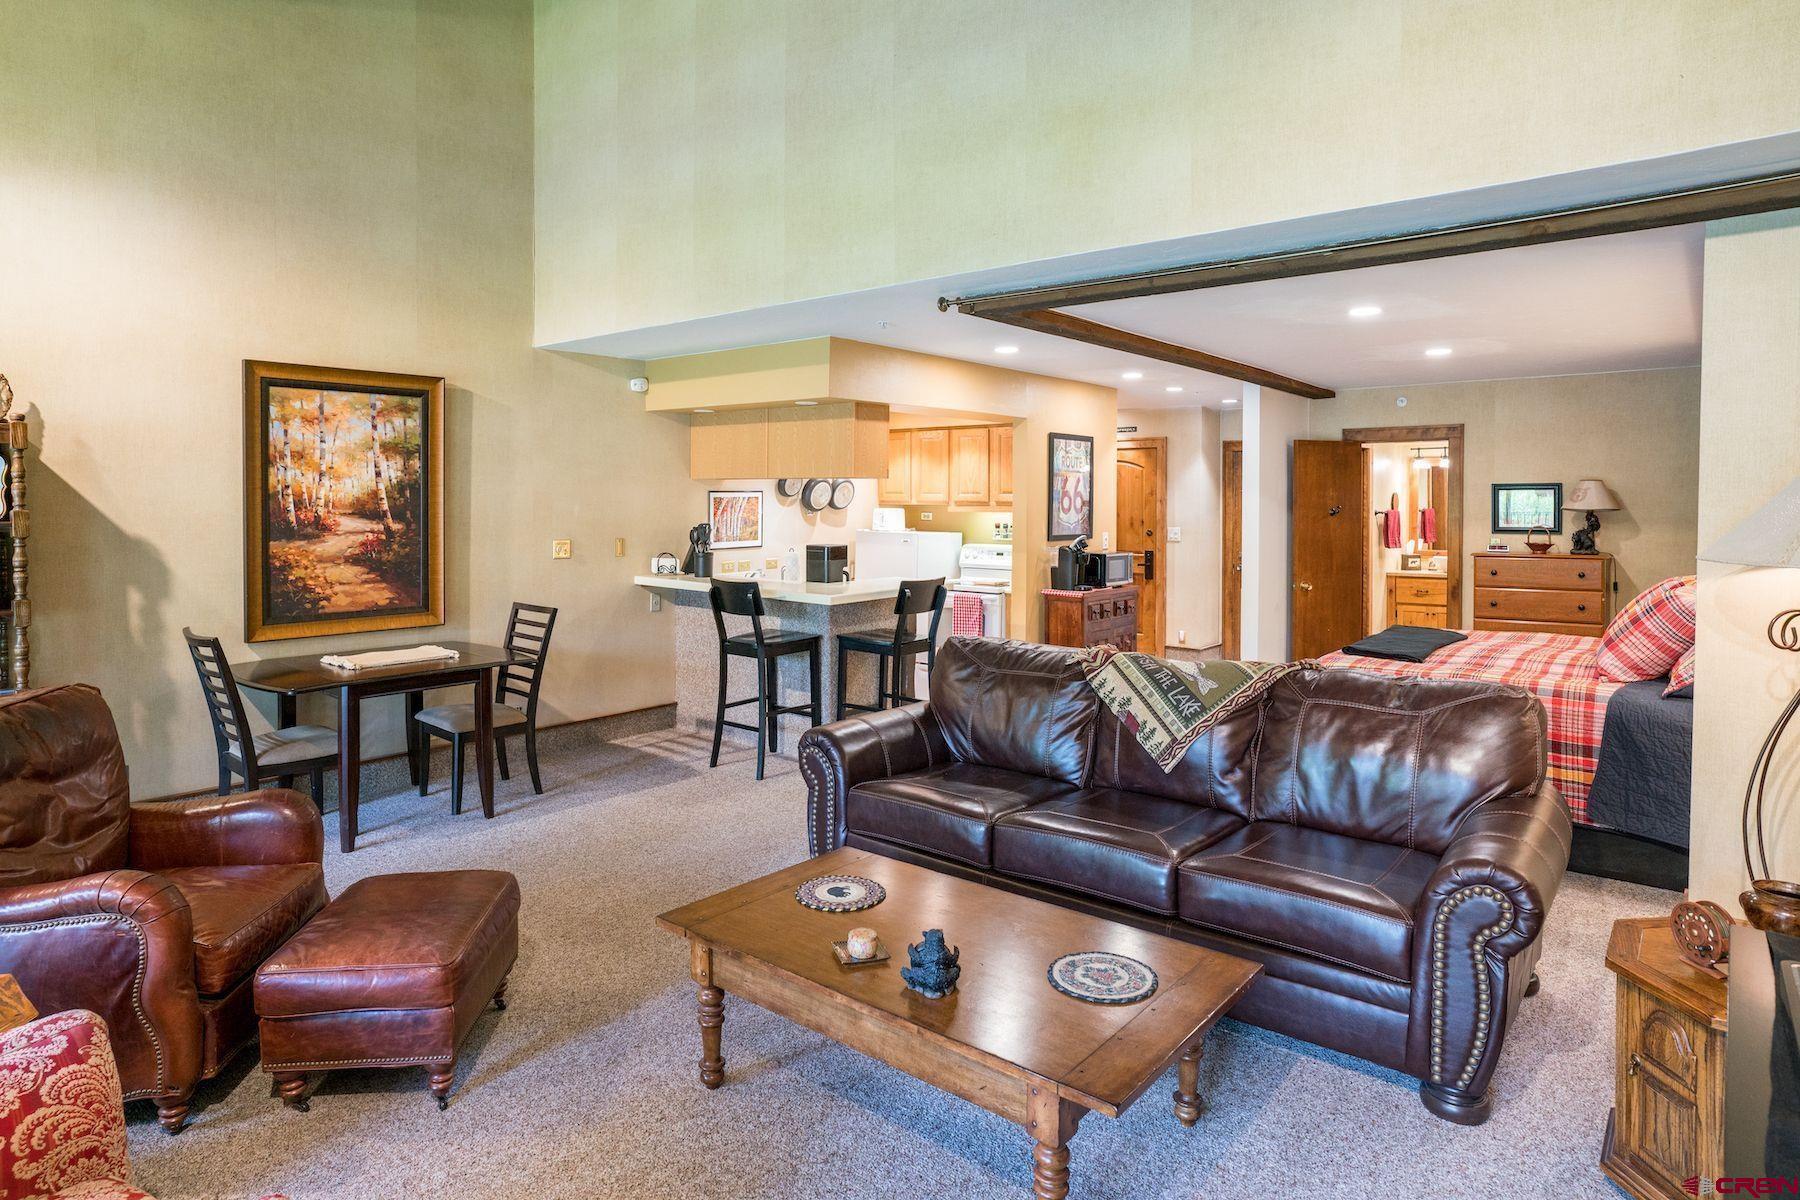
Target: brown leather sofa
154	916
1387	848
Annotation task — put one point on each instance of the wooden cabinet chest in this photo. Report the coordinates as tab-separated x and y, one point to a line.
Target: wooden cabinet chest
1422	600
1543	593
1668	1121
1098	617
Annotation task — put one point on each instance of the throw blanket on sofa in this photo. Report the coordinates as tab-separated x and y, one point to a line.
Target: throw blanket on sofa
1168	705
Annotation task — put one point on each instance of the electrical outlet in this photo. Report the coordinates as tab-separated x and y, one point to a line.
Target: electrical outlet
618	547
924	516
1174	533
655	602
1181	637
1106	541
771	564
560	549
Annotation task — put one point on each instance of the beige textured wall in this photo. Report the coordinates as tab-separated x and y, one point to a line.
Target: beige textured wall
699	157
1749	450
1190	566
185	184
1638	430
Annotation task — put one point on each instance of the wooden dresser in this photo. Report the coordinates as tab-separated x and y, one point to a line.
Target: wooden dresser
1543	593
1668	1119
1418	598
1099	616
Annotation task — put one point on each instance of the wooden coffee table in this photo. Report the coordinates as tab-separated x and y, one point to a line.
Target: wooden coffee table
1004	1039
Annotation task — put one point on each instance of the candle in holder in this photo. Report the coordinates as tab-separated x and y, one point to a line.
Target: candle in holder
860	943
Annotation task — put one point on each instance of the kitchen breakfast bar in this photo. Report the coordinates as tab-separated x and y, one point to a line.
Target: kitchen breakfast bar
827	609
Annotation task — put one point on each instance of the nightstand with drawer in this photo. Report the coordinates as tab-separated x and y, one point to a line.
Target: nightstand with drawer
1543	593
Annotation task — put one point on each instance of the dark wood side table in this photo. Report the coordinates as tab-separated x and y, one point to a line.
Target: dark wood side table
1668	1120
289	678
1096	616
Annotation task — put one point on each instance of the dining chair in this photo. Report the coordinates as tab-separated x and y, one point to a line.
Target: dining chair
514	706
278	754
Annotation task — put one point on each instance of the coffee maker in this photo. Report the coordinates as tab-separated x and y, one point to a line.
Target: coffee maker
1071	569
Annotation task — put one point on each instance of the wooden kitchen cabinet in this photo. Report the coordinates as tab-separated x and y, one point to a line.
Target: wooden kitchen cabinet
931	466
969	465
832	439
1000	469
733	444
1418	600
1668	1121
896	486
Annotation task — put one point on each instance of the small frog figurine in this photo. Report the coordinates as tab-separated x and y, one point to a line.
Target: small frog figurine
934	971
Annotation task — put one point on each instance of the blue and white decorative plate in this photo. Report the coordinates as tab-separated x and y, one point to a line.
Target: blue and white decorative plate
1102	978
840	893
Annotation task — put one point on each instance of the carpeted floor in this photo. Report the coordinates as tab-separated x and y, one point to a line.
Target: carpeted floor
586	1086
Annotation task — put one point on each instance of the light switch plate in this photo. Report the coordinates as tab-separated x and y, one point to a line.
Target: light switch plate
1174	533
618	547
560	548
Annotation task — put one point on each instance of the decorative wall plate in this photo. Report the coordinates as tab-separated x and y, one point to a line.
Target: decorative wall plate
843	491
840	893
1100	977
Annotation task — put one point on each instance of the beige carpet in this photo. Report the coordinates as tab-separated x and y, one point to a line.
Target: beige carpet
586	1086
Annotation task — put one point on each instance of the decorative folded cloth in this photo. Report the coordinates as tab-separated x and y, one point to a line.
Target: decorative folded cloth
967	618
1169	705
370	659
1405	643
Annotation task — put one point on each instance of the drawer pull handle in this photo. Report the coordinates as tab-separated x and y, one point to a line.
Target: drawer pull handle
1581	574
1493	604
1633	1068
1581	608
1493	570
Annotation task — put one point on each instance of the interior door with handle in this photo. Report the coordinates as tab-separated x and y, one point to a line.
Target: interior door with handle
1142	508
1326	558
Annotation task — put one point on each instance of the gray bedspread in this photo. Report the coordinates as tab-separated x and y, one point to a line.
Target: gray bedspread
1642	784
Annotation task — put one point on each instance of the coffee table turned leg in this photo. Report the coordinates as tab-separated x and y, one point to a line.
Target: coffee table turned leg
442	1076
1051	1121
1187	1089
712	1016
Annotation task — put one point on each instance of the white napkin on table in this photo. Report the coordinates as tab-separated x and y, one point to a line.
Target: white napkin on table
369	659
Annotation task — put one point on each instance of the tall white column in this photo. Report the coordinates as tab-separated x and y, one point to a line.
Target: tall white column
1272	421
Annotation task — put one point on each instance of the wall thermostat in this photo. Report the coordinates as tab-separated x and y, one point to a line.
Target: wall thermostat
640	384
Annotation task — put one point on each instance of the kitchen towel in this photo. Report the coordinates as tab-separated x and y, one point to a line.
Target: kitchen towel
370	659
966	615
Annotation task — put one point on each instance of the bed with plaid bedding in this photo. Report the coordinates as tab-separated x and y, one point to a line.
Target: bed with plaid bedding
1558	669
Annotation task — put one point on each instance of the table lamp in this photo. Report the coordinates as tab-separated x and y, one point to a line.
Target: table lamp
1769	537
1592	496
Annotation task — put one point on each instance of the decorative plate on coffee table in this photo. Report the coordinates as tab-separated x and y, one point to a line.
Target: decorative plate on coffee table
840	893
1100	977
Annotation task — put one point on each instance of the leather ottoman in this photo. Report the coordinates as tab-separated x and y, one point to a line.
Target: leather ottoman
393	973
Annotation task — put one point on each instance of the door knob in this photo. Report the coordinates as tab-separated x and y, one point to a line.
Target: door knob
1305	587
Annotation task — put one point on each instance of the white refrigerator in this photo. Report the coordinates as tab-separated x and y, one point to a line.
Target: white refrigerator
907	554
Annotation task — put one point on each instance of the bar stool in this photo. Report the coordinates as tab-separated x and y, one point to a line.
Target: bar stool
744	599
916	596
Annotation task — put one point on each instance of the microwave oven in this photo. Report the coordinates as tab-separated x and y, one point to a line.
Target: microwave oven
1108	570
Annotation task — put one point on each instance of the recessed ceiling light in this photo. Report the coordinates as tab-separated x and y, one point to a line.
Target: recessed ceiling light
1365	311
1438	352
806	404
708	411
1173	388
1131	374
1006	349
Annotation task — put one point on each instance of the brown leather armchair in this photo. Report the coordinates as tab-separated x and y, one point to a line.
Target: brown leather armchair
155	916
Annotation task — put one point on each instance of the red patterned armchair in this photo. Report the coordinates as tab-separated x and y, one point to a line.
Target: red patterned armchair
153	916
62	1118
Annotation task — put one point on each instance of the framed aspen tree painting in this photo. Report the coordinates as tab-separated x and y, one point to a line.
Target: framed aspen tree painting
343	501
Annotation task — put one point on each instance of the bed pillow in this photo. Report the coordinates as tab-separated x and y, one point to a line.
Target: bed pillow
1649	634
1681	675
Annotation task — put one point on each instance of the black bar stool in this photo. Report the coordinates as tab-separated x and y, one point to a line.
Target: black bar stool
744	599
916	596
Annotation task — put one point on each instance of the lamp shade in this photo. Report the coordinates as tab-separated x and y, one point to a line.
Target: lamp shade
1591	495
1768	537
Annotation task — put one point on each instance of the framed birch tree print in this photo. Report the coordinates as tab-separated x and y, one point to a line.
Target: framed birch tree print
343	501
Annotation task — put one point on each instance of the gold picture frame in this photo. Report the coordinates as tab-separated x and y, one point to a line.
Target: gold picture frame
343	501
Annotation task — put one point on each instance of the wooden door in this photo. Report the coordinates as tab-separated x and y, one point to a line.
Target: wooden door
896	486
1327	547
1000	482
969	466
931	466
1142	509
1231	565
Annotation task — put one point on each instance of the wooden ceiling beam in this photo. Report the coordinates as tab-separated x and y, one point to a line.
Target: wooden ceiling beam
1061	324
1712	202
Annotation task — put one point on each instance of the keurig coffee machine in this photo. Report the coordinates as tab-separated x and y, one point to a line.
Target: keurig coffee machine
1070	571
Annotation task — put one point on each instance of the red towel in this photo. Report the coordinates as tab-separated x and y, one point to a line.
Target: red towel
967	615
1428	526
1390	529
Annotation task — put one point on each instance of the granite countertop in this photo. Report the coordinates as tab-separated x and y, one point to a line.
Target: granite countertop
856	591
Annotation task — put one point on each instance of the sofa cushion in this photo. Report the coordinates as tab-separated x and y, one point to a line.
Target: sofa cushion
1015	705
1343	899
1124	846
243	914
1215	771
948	810
1390	759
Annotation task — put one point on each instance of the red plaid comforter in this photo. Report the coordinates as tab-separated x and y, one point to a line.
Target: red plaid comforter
1557	668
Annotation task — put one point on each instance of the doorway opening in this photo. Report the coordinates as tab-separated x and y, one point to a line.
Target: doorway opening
1143	513
1413	477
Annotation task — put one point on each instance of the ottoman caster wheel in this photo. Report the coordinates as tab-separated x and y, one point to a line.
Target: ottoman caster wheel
303	1106
500	996
443	1103
443	1075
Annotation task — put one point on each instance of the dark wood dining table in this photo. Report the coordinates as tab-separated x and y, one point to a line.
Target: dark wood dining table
290	678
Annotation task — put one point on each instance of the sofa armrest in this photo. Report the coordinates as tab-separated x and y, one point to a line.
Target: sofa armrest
265	828
120	944
835	758
1482	911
